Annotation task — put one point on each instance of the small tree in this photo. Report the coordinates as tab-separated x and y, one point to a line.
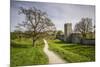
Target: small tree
84	26
36	22
18	32
59	33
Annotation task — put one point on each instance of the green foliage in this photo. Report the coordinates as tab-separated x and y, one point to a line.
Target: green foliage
90	35
23	54
73	52
13	35
59	32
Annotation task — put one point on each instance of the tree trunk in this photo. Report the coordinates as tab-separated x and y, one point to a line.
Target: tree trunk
84	35
33	42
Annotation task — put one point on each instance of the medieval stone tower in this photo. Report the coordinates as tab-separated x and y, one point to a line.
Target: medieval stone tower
67	31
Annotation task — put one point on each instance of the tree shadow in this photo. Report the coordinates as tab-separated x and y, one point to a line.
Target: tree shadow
15	45
60	42
66	44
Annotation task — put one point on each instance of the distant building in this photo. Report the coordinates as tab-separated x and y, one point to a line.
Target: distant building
75	37
67	31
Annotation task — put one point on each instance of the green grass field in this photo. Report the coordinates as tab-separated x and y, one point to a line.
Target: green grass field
73	52
23	53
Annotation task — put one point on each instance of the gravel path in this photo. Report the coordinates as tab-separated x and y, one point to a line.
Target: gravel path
53	58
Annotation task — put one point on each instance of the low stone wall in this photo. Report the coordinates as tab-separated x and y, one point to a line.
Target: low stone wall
88	41
77	40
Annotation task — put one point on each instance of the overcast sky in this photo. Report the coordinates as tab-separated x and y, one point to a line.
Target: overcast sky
58	13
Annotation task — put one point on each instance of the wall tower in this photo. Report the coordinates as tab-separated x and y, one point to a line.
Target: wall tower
67	31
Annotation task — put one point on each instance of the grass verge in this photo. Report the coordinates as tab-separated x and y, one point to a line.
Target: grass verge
73	52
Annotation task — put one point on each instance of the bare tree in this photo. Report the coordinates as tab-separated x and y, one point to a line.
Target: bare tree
36	22
84	26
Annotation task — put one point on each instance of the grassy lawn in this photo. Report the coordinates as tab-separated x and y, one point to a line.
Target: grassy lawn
23	53
73	52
